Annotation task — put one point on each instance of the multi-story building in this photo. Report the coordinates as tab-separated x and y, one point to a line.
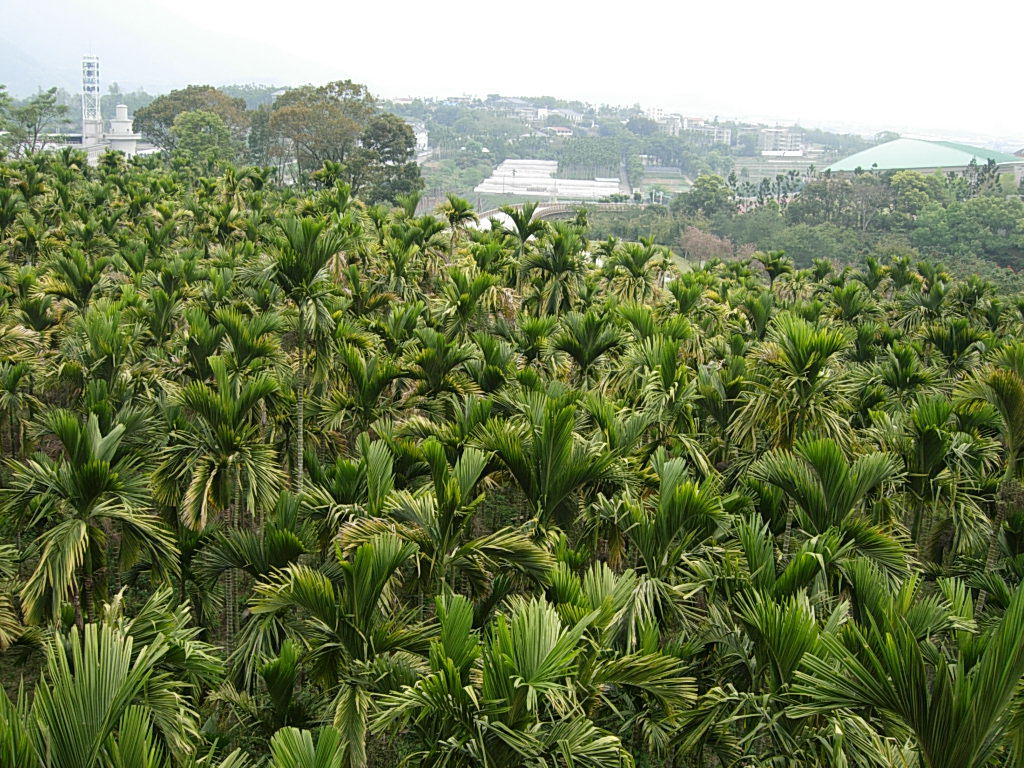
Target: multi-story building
780	142
671	124
93	139
705	132
657	114
714	134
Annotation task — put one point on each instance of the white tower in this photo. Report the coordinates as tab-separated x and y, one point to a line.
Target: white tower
121	136
92	120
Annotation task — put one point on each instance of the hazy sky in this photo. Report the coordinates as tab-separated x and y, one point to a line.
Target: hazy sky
892	63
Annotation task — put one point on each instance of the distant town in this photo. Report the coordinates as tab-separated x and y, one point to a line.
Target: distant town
497	148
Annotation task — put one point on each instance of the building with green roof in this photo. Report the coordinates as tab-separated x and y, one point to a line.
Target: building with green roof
928	156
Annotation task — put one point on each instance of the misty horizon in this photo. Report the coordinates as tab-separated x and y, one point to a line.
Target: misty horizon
734	78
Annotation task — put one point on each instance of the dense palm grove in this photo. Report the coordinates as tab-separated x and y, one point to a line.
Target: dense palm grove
295	481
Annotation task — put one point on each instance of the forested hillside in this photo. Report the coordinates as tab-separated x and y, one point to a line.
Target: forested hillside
973	220
296	481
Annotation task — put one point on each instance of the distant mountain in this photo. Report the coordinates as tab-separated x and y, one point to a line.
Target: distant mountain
23	74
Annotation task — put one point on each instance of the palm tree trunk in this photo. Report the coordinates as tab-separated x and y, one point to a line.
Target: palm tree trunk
787	534
1010	494
923	530
300	407
113	557
231	577
76	601
230	594
258	514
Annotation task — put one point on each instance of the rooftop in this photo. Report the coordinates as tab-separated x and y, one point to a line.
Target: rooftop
920	153
536	179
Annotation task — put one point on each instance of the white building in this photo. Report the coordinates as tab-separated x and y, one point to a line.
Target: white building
780	142
536	179
419	130
571	115
423	149
671	124
708	133
121	137
657	114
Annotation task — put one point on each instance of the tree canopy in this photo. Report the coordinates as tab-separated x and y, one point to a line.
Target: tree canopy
292	477
155	121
